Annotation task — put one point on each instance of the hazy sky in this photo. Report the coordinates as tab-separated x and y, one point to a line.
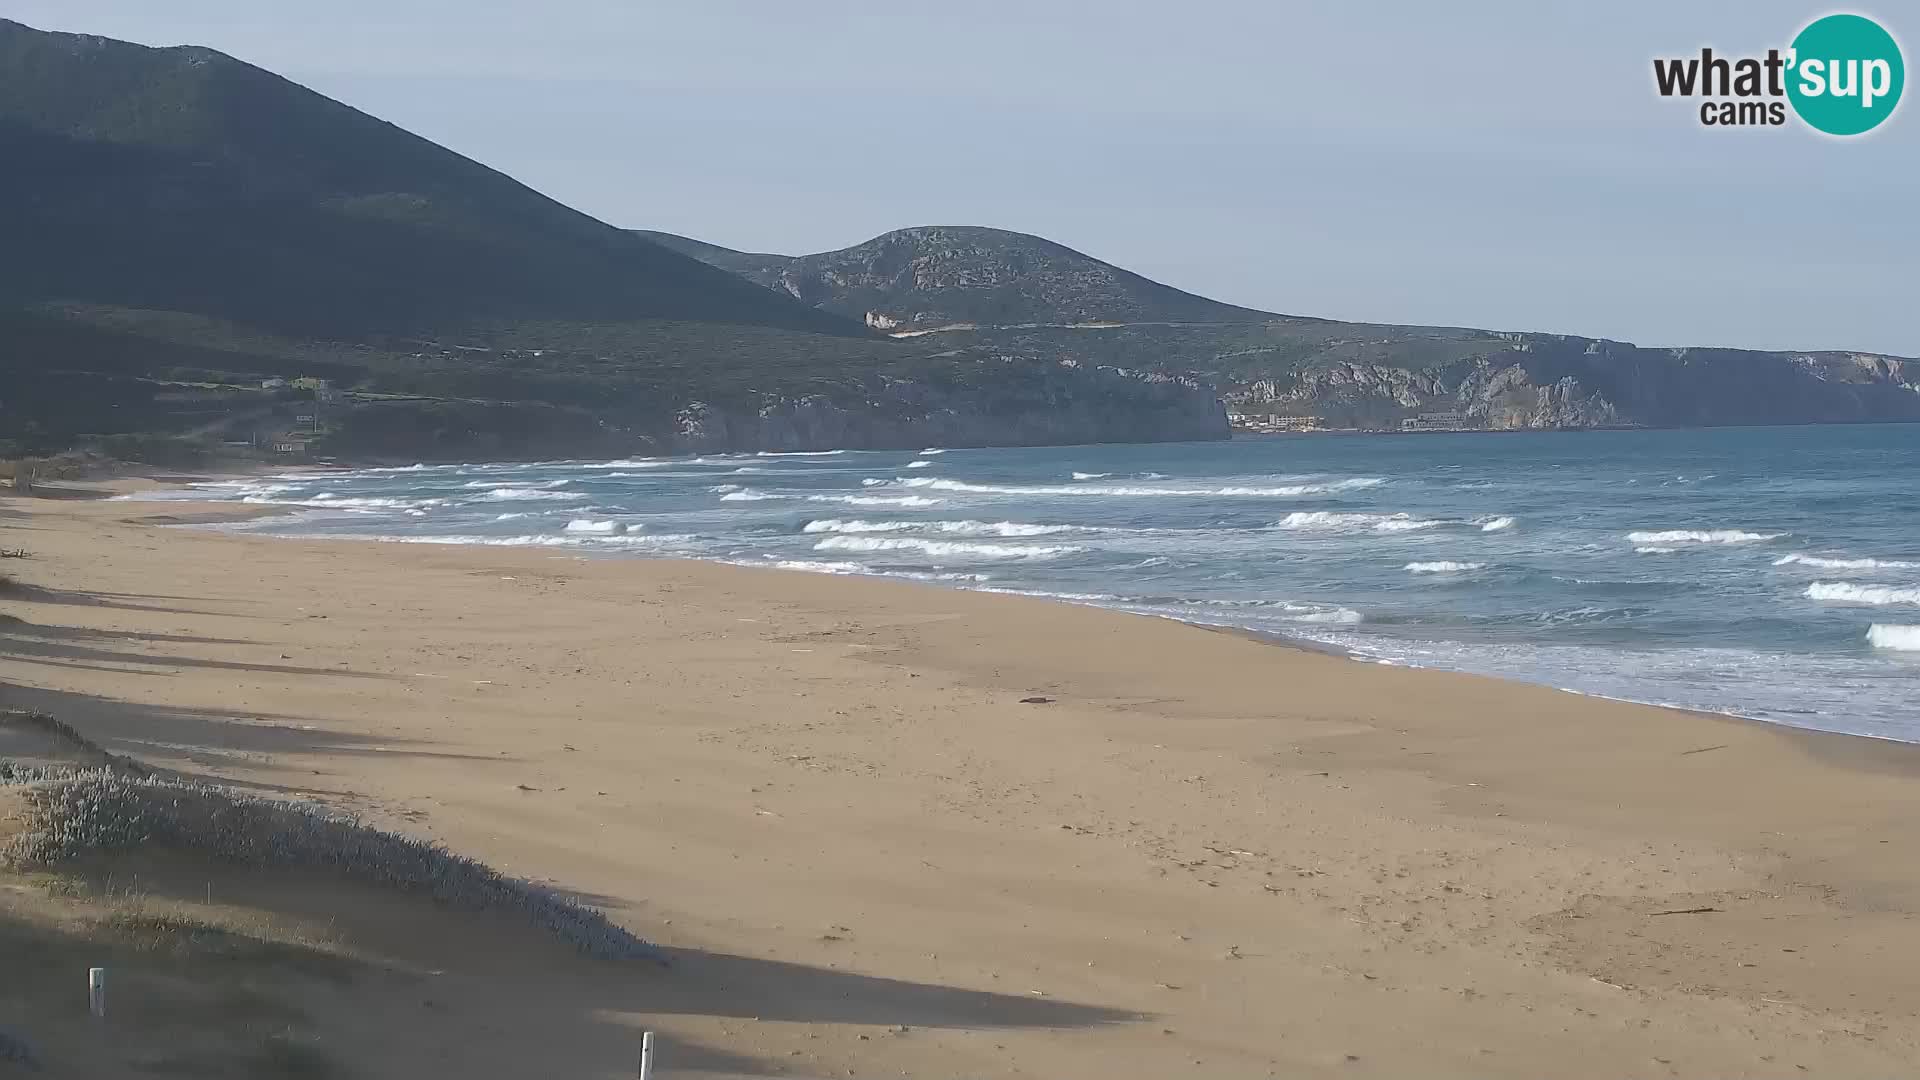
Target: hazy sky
1502	165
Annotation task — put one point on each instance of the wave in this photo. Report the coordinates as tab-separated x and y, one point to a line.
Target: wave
513	515
1335	521
918	464
1287	490
750	495
1655	550
531	540
1091	475
818	566
799	453
328	501
1443	567
958	528
1494	524
876	500
954	548
513	494
1700	536
1845	592
588	525
1823	563
1287	610
1889	636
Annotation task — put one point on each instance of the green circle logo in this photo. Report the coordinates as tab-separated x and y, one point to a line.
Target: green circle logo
1846	74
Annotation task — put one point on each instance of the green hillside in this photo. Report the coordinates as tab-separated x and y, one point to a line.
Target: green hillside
938	275
182	179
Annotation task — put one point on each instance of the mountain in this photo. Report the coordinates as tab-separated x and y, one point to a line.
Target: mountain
183	179
941	275
1008	292
179	228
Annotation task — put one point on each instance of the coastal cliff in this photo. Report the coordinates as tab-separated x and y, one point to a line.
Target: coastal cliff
1557	383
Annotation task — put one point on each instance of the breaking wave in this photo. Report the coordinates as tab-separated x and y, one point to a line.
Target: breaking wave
957	528
1822	563
876	500
1443	567
1336	521
513	494
1124	491
588	525
1700	536
1845	592
1889	636
1495	524
952	548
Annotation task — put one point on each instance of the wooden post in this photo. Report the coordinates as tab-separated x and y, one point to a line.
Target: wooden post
97	991
646	1055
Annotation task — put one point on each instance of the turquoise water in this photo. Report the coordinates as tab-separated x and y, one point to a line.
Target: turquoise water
1772	573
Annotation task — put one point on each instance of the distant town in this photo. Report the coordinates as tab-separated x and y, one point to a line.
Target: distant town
1274	424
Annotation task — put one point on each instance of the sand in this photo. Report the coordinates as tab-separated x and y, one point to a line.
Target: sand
1202	855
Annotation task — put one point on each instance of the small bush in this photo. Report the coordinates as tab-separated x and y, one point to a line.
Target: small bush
73	812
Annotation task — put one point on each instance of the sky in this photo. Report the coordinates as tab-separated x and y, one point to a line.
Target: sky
1505	165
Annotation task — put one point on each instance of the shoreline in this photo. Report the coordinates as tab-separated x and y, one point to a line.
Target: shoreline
216	513
1199	847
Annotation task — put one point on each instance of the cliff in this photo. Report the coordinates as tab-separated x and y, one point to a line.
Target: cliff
1549	382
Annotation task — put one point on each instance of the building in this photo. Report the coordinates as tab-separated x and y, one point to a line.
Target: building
1440	421
1265	423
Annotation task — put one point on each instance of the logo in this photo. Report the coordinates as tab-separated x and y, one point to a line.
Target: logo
1842	75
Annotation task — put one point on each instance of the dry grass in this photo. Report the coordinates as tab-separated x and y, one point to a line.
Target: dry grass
194	991
63	734
69	813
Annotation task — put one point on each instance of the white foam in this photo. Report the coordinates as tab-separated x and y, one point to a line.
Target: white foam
958	528
1443	567
931	450
514	494
1128	491
514	515
799	453
918	464
1823	563
876	500
487	541
1407	523
1335	521
1091	475
821	566
950	548
1496	524
1337	616
328	501
1700	536
588	525
1846	592
1889	636
749	495
1655	550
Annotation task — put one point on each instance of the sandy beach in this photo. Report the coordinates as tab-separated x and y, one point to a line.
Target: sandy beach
888	829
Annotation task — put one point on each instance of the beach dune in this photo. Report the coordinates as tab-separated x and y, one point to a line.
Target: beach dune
887	829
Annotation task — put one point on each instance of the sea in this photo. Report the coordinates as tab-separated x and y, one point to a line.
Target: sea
1771	573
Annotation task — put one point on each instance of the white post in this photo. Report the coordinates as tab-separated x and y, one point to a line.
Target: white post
646	1055
97	991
